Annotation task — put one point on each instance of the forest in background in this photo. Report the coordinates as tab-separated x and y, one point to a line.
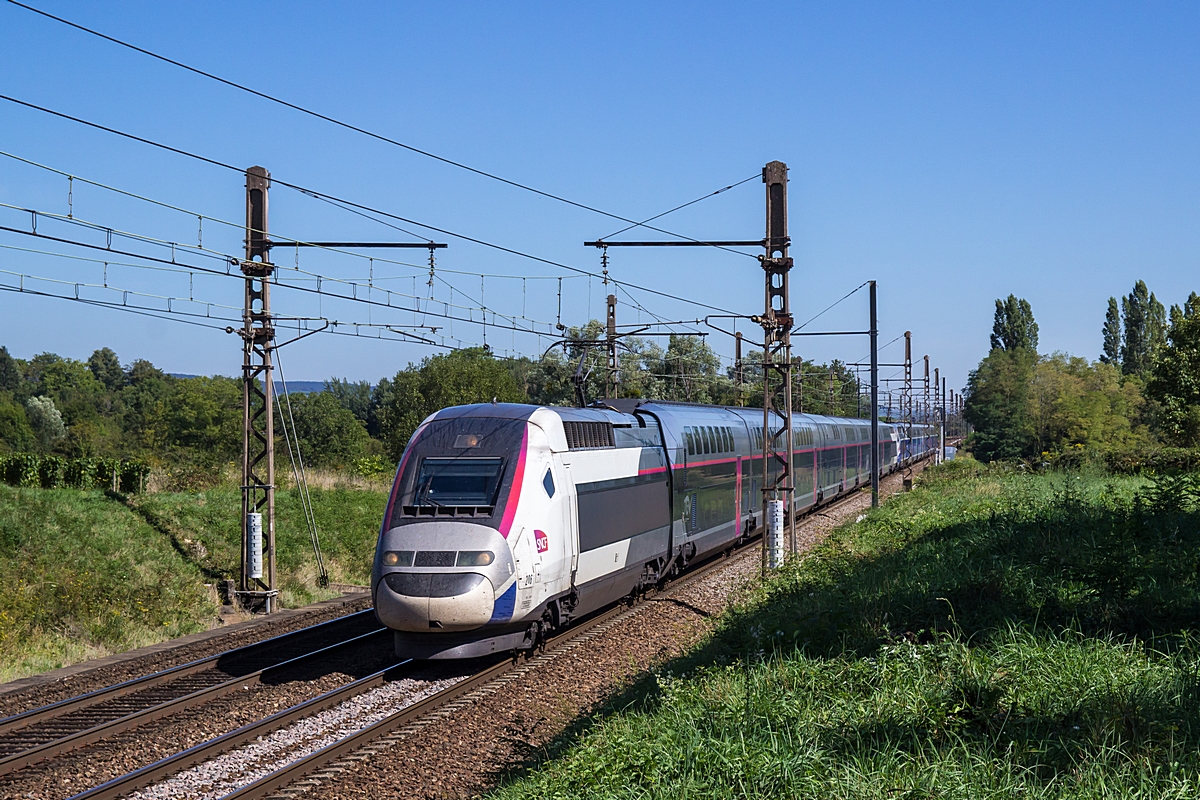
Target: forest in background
1143	392
188	429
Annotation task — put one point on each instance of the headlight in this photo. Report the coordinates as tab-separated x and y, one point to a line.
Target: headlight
475	558
398	558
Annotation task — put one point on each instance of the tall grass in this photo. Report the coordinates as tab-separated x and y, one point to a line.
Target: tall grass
209	523
989	635
84	574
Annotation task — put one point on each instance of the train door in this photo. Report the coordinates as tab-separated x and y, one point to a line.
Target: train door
561	553
803	469
851	456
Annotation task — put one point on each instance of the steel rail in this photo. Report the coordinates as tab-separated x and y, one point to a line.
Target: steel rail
268	784
63	707
164	768
91	735
295	771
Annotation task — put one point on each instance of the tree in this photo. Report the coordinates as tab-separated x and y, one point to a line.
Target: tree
1175	382
1014	327
1073	402
690	371
354	396
329	435
1112	334
457	378
997	405
204	416
1190	307
46	422
15	434
10	372
1145	330
107	369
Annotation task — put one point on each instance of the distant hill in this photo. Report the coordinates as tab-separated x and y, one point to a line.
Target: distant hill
295	387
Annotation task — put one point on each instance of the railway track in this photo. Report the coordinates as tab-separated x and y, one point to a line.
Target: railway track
325	760
46	732
330	760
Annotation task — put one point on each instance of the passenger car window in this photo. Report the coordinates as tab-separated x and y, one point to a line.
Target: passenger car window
691	445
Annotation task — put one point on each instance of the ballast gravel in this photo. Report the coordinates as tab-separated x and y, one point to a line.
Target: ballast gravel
22	696
219	776
479	743
73	772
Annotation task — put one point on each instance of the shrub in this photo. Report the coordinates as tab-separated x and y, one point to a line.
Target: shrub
52	472
371	466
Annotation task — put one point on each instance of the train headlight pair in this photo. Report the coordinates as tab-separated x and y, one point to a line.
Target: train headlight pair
398	558
475	558
466	558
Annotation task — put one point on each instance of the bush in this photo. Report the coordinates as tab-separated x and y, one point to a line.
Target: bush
1131	461
20	469
371	466
53	472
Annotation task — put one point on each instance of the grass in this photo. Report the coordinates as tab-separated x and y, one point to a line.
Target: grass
84	574
991	634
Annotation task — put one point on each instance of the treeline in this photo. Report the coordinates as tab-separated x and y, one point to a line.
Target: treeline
189	428
1143	392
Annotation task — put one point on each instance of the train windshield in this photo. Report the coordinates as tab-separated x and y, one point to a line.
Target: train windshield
458	467
459	481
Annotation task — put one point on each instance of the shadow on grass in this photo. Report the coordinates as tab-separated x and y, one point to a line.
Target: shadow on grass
1060	557
167	530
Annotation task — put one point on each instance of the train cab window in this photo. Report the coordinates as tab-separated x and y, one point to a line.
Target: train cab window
459	481
548	484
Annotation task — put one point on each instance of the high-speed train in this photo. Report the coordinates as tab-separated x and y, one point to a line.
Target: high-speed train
507	521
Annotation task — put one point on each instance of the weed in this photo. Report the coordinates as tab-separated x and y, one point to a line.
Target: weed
991	634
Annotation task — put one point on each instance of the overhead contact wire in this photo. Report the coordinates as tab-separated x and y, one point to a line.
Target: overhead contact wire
351	127
311	192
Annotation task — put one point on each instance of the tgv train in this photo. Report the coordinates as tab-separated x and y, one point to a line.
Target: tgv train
507	521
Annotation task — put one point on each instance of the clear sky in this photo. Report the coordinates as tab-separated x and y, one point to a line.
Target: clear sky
953	152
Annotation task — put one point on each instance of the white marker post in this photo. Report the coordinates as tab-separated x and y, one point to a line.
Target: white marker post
774	541
254	554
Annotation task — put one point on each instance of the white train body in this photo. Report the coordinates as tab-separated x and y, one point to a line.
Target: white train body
506	521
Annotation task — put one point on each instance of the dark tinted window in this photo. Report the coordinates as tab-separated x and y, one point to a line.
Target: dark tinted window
548	484
429	480
458	481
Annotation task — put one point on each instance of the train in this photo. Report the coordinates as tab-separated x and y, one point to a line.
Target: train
506	521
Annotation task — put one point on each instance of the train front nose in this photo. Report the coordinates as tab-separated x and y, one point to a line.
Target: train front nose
421	601
444	576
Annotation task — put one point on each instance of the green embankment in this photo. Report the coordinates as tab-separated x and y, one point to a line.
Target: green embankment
990	634
82	574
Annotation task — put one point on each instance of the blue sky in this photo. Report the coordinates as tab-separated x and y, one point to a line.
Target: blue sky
953	152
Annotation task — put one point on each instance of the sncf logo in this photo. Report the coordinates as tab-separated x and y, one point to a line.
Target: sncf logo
543	543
